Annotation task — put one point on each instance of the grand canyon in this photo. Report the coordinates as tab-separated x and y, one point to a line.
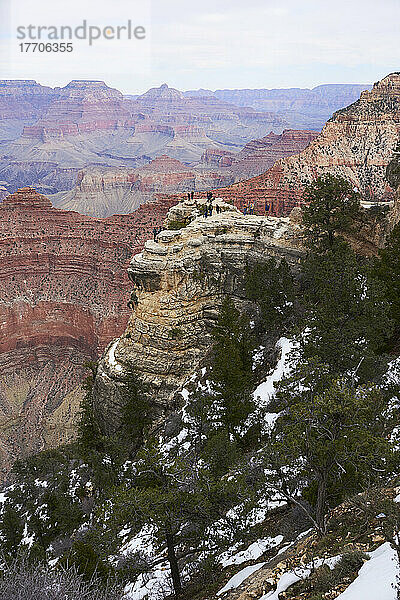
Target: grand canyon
64	283
116	261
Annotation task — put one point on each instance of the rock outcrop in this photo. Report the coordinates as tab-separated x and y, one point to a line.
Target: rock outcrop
179	282
357	143
64	292
104	191
260	155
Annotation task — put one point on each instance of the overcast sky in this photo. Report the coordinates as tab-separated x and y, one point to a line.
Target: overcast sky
210	44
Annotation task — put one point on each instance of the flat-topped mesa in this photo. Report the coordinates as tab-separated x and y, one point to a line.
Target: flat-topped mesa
81	107
26	198
179	282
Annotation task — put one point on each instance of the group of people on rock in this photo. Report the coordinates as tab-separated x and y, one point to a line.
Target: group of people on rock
209	206
249	208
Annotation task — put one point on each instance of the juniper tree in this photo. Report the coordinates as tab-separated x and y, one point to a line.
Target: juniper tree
327	444
331	206
231	371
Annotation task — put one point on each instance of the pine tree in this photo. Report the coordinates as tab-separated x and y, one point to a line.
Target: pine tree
231	372
11	527
271	286
387	270
328	444
347	316
331	207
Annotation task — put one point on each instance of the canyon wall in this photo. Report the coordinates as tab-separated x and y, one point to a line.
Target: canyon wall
357	143
64	292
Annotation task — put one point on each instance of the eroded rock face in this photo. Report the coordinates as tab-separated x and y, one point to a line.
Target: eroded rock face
357	143
23	99
64	291
101	192
179	282
260	155
81	107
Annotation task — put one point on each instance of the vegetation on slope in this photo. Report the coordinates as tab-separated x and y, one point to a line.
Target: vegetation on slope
193	489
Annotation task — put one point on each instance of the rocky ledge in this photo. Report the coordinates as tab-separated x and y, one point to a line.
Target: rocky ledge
179	281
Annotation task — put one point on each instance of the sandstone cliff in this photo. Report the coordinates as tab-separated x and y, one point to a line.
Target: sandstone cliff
64	292
180	281
357	143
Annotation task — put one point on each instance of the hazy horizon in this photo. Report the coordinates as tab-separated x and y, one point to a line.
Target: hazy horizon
134	93
261	44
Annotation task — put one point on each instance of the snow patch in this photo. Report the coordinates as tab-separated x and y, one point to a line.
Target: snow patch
155	585
266	390
111	357
237	579
253	552
376	578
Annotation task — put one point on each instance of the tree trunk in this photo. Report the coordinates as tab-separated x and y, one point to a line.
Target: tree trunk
173	563
321	505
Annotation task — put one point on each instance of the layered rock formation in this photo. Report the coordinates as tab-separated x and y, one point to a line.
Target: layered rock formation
357	143
21	102
64	292
179	282
301	108
101	192
88	123
260	155
52	132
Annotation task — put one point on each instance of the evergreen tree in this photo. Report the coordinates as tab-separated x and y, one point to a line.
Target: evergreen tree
328	444
107	453
332	205
11	527
180	498
231	372
387	270
90	439
347	318
271	286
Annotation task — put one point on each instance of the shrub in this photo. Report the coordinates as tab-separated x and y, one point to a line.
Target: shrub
174	225
21	580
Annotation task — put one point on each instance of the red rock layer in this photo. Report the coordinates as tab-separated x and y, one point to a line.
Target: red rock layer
63	297
357	143
81	107
260	155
